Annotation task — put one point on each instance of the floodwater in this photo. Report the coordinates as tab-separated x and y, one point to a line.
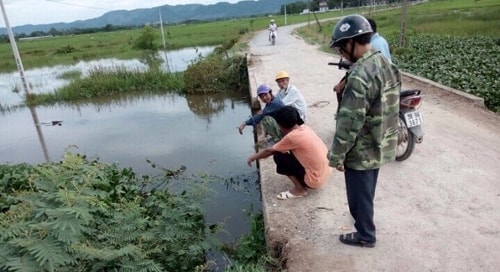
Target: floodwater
195	131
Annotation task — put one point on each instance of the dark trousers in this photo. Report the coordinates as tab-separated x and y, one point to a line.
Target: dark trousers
288	165
360	187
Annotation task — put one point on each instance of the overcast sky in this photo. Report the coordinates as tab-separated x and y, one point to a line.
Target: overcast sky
21	12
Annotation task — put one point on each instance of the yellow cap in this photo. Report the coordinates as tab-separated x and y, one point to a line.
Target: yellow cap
281	74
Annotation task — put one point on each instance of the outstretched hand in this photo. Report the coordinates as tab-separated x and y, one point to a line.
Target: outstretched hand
241	128
251	159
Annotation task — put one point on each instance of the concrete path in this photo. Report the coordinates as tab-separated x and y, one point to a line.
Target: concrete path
437	211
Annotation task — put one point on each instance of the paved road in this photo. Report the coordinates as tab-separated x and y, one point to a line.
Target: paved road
437	211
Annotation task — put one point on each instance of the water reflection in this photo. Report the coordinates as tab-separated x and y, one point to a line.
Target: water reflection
205	105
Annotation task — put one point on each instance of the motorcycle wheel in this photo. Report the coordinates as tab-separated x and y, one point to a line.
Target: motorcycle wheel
273	40
406	140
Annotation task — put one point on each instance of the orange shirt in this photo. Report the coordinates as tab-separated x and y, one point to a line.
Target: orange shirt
310	151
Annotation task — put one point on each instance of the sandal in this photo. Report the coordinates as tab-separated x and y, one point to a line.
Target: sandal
353	240
288	195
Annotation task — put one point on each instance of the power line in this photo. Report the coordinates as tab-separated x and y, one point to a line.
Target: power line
77	5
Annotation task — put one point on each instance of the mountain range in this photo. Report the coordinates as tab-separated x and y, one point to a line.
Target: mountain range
169	13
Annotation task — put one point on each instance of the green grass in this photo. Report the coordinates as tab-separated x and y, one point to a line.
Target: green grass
455	43
119	44
71	75
457	18
103	82
464	18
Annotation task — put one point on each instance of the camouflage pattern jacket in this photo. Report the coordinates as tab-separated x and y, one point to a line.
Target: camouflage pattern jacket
366	130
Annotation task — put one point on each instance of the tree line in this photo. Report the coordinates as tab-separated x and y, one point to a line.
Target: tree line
73	31
314	5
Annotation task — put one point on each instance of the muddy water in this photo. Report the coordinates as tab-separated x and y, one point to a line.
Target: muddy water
171	130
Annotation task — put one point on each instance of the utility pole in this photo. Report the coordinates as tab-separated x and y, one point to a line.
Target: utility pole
403	25
26	86
285	15
309	12
13	44
164	43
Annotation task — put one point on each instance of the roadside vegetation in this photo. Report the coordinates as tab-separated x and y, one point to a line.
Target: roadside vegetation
455	43
81	214
84	215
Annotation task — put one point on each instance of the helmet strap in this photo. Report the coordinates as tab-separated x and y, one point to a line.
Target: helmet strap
351	54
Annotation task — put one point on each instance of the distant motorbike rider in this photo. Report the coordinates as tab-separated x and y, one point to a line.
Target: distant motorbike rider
273	28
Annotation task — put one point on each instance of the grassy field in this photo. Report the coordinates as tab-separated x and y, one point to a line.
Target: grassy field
119	44
463	18
456	43
447	17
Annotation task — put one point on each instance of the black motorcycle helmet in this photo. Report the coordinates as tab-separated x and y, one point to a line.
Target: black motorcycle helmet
349	27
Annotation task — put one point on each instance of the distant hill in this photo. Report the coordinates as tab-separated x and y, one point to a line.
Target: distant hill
170	14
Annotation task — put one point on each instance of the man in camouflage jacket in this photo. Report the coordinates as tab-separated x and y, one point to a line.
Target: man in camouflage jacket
366	128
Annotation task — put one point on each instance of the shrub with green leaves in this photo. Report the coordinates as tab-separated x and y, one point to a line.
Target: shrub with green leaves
82	215
469	64
250	254
216	72
147	39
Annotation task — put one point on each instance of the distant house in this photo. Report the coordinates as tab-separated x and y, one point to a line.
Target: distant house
323	6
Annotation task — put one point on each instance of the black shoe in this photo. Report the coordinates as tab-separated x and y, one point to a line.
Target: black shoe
353	240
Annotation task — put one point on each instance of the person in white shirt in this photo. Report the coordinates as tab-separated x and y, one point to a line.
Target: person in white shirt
290	95
272	28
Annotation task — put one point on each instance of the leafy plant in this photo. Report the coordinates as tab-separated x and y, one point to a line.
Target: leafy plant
83	215
146	41
250	253
471	67
216	72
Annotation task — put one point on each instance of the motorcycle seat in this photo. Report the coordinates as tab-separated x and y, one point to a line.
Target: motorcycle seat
406	93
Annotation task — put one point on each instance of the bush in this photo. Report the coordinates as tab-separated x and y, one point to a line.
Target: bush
250	253
82	215
146	41
216	73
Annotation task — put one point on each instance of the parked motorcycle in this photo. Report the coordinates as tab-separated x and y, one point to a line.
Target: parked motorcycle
409	123
410	119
